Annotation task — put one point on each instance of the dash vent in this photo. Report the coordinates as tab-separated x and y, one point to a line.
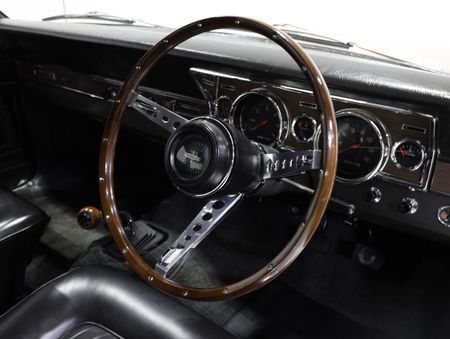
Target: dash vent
308	104
416	129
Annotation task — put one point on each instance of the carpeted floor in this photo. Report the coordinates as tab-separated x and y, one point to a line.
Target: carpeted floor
323	293
62	235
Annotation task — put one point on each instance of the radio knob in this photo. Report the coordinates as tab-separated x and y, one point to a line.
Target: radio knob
408	206
373	194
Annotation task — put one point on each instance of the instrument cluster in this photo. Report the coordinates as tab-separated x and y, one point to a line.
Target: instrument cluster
373	140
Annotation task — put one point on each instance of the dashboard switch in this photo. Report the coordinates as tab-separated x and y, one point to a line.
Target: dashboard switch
373	194
408	206
443	215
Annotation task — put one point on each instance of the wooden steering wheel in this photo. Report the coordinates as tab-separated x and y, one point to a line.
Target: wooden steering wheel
205	157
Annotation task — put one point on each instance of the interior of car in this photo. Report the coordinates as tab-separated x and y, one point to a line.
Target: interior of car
226	179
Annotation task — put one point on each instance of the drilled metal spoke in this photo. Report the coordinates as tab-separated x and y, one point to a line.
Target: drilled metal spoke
202	225
285	164
156	113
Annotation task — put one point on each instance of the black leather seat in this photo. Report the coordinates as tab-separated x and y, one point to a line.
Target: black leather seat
94	302
21	225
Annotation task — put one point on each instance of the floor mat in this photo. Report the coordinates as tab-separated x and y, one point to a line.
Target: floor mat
62	235
45	266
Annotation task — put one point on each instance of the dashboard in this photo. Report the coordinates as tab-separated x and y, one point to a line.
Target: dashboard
394	154
386	154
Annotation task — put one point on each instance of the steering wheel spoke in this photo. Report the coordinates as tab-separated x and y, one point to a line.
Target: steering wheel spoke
200	227
157	113
286	164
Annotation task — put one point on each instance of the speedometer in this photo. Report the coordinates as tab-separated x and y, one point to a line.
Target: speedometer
362	146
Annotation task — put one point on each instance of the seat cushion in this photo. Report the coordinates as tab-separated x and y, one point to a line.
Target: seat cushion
17	216
89	331
21	225
115	302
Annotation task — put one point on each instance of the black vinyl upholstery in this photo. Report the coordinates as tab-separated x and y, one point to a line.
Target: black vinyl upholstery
107	302
90	331
21	225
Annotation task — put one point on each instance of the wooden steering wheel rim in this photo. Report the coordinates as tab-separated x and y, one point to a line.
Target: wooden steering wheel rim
318	203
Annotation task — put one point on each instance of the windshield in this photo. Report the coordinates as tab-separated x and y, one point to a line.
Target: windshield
408	30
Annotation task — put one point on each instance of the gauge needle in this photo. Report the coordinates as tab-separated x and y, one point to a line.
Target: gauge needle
402	152
354	146
262	123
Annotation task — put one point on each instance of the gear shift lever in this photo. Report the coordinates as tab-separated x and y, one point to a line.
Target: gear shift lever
89	217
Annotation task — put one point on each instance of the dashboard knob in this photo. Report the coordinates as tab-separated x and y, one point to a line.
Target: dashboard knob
443	215
109	93
373	194
89	217
408	206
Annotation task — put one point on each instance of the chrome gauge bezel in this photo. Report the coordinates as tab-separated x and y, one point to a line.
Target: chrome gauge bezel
422	150
280	107
294	122
383	138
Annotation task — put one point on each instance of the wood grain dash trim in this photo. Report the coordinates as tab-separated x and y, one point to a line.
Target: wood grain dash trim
441	178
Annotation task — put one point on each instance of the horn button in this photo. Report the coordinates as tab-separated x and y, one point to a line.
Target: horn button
199	157
192	157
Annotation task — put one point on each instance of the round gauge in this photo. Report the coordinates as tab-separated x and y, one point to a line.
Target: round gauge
408	154
361	148
258	117
223	107
304	128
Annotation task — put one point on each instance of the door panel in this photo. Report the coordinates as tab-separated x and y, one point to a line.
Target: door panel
15	164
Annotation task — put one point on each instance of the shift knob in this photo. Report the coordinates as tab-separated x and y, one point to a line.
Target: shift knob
89	217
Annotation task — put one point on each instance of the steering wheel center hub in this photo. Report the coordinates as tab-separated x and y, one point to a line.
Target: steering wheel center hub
192	157
199	157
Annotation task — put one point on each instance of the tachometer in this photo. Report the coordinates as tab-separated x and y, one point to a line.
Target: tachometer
259	117
362	146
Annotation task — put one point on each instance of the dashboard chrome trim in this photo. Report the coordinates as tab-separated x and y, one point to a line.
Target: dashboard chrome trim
428	165
431	152
218	74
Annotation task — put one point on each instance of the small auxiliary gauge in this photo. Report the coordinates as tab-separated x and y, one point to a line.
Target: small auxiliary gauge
408	154
304	128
